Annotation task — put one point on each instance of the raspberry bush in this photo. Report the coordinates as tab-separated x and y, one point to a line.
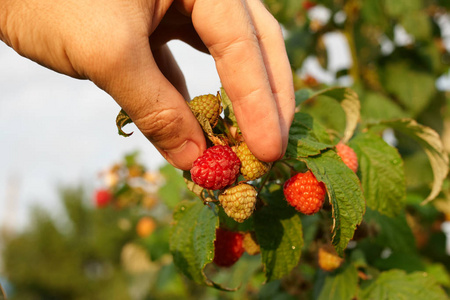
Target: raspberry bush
341	183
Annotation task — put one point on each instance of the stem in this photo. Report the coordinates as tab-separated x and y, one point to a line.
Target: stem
223	126
288	165
349	34
264	180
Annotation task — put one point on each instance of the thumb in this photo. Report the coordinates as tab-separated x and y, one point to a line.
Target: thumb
156	107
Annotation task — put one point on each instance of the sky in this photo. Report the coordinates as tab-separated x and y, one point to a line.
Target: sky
56	130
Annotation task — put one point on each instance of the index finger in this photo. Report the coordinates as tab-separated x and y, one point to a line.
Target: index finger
227	30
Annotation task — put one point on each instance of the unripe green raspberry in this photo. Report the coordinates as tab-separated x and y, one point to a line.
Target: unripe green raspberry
251	167
207	105
239	201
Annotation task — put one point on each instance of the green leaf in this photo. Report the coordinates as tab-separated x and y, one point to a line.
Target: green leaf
279	232
350	104
306	137
439	273
413	88
340	286
123	119
397	285
302	95
192	239
241	274
193	187
375	106
397	8
204	123
284	11
432	145
344	192
408	262
349	101
228	109
299	44
394	233
174	187
382	173
372	13
327	112
417	24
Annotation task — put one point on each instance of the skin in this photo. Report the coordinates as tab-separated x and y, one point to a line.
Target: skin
121	47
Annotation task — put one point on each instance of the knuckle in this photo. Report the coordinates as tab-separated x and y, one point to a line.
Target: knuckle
160	125
235	44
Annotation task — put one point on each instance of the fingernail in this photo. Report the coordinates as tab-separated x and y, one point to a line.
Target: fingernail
183	156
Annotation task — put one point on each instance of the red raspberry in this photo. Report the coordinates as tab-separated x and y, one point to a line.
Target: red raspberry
227	247
304	192
307	5
217	168
102	197
348	156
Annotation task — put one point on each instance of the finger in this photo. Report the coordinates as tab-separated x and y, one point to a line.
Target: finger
277	64
153	103
232	41
170	69
176	25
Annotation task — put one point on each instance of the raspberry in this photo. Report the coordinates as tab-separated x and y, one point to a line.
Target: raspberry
328	259
348	156
102	197
307	5
239	201
145	227
227	247
207	105
217	168
250	244
251	167
304	192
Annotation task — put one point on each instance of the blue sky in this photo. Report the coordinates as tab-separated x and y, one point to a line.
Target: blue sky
58	130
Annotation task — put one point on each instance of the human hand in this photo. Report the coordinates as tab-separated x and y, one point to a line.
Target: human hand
121	47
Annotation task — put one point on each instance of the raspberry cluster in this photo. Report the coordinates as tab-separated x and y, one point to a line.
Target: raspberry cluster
219	167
